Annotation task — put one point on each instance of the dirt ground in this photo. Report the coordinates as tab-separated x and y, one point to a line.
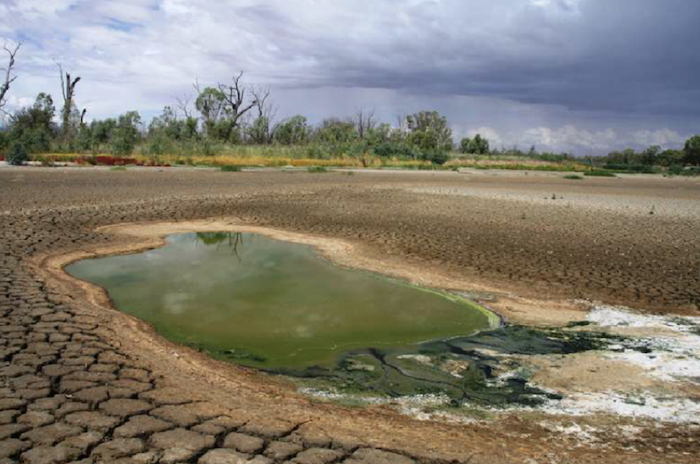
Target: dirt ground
81	381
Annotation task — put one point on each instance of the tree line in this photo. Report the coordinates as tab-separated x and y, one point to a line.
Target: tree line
232	113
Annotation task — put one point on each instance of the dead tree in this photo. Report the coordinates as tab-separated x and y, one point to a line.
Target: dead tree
364	122
260	96
234	97
266	113
183	103
9	78
68	90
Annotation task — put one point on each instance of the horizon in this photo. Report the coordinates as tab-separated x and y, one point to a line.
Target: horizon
577	76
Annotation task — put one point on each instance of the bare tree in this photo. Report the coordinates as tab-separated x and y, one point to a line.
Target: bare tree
9	77
234	96
183	103
260	96
401	122
266	113
68	91
364	122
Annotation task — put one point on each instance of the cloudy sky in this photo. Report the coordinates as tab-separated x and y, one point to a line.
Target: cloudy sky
585	76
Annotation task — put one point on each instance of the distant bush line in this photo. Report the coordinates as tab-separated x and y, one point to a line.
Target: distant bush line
215	135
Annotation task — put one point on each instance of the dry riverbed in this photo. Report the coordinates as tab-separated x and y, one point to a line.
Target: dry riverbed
616	257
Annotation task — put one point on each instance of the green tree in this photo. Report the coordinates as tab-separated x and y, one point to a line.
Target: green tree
335	131
17	155
650	156
429	131
211	104
126	135
670	157
691	151
292	131
478	145
33	127
481	145
259	131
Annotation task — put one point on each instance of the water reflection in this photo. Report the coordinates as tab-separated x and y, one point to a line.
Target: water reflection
232	239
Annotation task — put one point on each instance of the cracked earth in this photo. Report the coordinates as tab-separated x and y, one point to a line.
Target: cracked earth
81	383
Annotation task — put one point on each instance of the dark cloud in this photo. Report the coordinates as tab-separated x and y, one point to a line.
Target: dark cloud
566	72
622	56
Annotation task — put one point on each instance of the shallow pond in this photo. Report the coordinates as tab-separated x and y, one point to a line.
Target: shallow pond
273	304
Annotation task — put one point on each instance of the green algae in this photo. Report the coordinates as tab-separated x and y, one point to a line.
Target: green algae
272	304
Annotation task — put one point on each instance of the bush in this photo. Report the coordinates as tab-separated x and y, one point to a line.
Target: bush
17	155
677	170
317	169
45	161
231	168
438	157
573	177
4	140
390	150
632	168
600	174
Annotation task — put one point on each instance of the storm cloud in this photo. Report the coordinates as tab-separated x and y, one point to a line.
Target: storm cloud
577	75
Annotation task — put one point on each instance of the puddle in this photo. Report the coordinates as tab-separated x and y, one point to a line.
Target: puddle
273	304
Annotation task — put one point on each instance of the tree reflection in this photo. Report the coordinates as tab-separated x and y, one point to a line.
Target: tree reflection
230	239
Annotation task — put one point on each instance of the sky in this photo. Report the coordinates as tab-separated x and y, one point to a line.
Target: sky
582	76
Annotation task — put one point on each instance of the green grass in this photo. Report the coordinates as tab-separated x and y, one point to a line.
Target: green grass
600	174
231	168
117	168
317	169
573	177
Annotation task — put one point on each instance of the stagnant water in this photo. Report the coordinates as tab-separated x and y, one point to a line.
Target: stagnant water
282	308
273	304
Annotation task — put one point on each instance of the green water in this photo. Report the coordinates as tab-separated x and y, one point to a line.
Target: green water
273	304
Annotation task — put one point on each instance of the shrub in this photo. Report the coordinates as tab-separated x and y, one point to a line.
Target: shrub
317	169
438	157
17	155
231	168
600	174
45	161
676	170
573	177
4	140
117	168
632	168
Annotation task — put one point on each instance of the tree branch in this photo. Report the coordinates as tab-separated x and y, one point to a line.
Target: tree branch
9	78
